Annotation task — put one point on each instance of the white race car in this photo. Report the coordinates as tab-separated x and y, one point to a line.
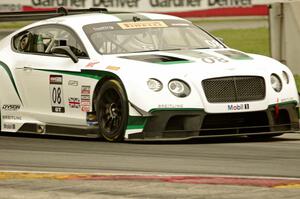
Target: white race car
137	76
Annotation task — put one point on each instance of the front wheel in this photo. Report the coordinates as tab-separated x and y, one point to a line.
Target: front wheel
112	111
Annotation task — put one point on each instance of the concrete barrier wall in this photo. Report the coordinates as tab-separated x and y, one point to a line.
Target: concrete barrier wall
285	34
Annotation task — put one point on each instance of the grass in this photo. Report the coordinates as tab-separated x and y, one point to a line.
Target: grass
297	78
221	20
247	40
13	25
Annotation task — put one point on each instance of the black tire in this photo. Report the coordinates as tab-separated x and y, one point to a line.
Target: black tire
112	111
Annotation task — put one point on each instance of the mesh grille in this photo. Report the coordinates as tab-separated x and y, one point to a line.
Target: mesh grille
234	89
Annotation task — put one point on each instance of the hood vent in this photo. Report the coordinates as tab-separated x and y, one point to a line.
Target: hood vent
157	59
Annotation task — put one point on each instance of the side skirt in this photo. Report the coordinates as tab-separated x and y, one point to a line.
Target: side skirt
54	129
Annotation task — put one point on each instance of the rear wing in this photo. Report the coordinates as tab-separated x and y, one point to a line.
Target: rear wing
40	15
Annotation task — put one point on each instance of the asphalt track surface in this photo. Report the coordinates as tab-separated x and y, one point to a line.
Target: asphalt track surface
103	164
277	157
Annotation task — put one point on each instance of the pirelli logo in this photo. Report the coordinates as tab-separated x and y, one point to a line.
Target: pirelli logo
142	24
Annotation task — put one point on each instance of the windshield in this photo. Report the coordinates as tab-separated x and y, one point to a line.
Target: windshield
144	36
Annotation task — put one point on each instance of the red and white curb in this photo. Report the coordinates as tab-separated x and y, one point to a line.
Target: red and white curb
271	182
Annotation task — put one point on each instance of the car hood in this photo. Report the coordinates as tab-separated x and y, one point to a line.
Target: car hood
202	63
193	66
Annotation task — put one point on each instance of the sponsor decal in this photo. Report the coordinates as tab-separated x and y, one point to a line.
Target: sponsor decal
238	107
85	90
190	8
170	106
11	117
56	93
181	3
224	3
9	126
11	107
57	3
142	24
74	102
85	108
115	68
56	79
116	3
92	64
72	83
85	103
85	98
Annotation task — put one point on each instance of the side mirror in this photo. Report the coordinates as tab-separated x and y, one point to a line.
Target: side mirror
65	50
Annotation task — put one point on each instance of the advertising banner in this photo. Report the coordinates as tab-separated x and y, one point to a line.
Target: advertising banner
181	7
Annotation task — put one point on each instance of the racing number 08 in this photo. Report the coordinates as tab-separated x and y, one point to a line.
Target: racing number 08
56	95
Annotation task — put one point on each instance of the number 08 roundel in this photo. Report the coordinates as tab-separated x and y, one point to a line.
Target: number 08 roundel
56	93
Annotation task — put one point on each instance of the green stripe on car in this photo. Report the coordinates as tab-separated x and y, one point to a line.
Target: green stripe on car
136	122
93	74
6	68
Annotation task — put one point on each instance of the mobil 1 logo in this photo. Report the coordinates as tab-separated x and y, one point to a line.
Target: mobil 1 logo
56	93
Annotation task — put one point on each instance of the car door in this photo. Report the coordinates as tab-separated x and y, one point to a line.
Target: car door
51	83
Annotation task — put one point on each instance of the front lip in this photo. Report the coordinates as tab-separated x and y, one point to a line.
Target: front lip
178	124
210	136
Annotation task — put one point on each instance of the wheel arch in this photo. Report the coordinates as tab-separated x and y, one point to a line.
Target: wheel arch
100	83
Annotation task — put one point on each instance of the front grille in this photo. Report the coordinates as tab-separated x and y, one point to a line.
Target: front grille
234	89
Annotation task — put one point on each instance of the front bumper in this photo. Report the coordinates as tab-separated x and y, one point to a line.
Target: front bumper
172	124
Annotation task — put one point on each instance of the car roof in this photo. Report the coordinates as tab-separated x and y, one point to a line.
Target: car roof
80	20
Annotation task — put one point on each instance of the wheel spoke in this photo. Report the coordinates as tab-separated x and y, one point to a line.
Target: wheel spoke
107	124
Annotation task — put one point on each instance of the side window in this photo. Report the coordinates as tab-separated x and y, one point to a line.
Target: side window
43	39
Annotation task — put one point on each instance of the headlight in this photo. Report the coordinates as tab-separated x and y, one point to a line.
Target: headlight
154	84
276	83
285	77
179	88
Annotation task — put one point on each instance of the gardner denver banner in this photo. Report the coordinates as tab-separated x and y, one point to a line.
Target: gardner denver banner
185	8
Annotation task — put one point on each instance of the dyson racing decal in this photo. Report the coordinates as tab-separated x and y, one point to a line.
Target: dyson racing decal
56	93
